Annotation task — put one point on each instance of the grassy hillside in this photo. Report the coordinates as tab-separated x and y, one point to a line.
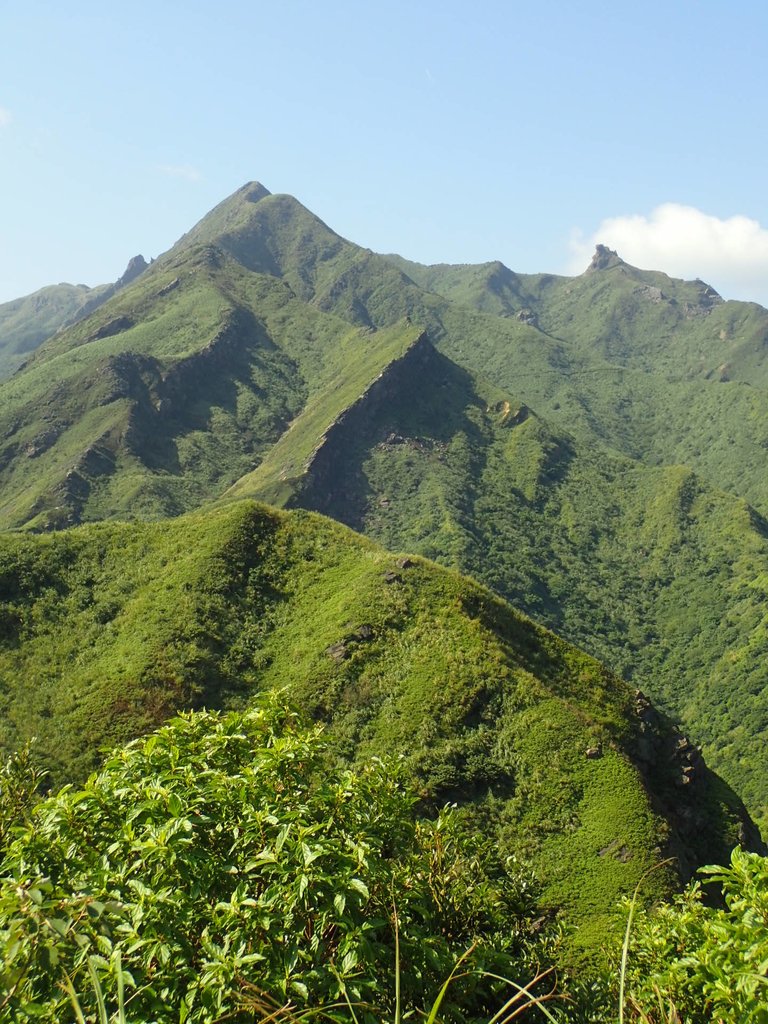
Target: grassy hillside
662	370
651	570
599	484
168	393
26	322
108	629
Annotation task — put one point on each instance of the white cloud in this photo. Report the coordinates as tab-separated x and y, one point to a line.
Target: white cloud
185	171
5	117
731	254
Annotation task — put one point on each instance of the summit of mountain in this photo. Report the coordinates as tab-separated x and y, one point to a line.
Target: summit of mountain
605	259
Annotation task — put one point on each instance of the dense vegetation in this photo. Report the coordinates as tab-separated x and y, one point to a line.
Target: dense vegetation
695	962
610	482
651	570
222	866
226	869
108	629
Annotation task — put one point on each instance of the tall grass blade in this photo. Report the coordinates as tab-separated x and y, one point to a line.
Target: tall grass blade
521	990
444	988
120	988
98	992
625	953
628	933
397	964
73	999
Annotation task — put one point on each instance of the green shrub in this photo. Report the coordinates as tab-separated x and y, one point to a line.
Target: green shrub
222	862
704	963
20	781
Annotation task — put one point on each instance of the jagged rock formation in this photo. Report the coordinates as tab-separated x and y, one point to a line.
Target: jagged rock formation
604	259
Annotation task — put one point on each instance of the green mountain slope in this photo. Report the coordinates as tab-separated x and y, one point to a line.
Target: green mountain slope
167	393
108	629
653	571
25	323
661	370
599	484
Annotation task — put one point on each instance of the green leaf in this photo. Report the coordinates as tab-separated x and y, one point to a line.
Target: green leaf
359	886
349	962
301	988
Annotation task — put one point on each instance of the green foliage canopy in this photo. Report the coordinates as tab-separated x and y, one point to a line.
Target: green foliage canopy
221	862
709	963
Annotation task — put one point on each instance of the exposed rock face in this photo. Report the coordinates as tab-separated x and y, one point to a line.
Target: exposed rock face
43	441
707	294
653	294
707	299
342	649
321	467
189	376
136	265
170	287
117	325
605	258
678	778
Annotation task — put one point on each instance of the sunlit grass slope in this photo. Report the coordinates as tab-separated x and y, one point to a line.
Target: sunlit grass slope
108	629
649	568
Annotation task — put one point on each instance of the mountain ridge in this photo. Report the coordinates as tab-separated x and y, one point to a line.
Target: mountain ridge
27	322
122	625
607	481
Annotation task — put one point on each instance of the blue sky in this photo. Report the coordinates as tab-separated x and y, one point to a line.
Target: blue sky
441	130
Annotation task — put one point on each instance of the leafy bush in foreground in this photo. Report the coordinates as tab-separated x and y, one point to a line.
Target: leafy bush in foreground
222	861
709	964
20	779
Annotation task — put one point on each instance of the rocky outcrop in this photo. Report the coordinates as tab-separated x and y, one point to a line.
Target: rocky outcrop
344	648
44	440
125	375
651	293
706	300
116	325
682	788
604	259
186	377
136	266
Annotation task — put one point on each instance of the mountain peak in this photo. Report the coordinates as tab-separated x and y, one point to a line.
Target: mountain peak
253	191
136	265
605	258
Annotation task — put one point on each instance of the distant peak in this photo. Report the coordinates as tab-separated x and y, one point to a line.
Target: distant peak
253	191
136	265
605	258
